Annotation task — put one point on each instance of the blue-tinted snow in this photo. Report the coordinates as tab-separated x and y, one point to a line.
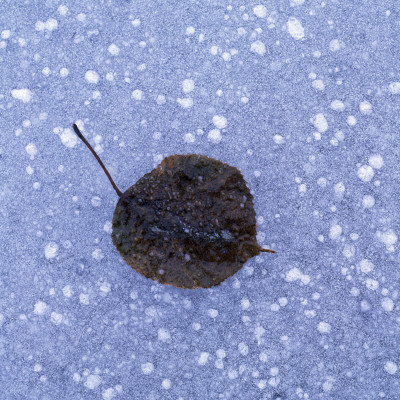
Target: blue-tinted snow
302	96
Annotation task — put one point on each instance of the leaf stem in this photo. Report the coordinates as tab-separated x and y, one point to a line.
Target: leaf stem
79	134
266	250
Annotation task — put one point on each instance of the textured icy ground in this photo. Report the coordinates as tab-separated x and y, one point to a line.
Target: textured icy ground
303	96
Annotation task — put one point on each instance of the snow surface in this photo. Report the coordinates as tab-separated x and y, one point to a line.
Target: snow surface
302	96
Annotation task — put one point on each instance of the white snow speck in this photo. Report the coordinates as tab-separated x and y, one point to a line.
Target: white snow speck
303	188
283	301
365	107
243	349
81	17
5	34
339	189
371	284
92	381
137	94
68	138
275	307
189	138
219	121
318	84
133	295
278	139
40	308
196	326
190	30
226	56
390	367
274	371
295	28
56	318
387	304
147	368
62	10
214	136
220	353
97	254
376	161
96	201
294	3
64	72
84	299
351	120
163	335
160	99
219	364
295	274
166	384
50	250
109	394
213	313
203	358
319	121
67	291
214	50
260	11
335	232
92	76
109	76
365	173
113	49
258	47
324	327
136	22
186	102
49	25
262	384
25	95
354	291
335	45
368	201
366	266
188	85
105	287
274	381
327	385
337	105
37	367
388	237
31	149
108	227
245	303
394	87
